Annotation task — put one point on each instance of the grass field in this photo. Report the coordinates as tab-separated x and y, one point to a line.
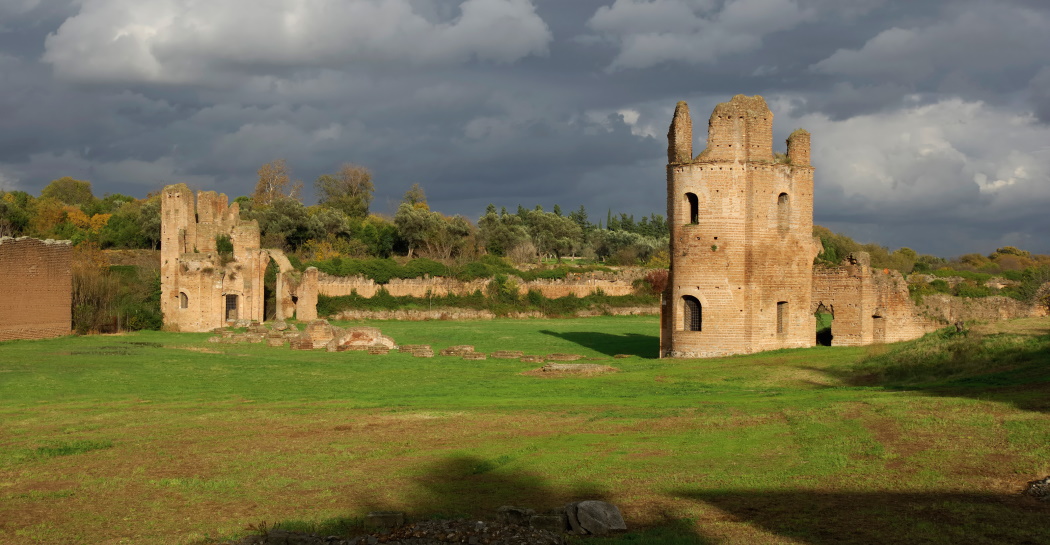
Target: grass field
165	438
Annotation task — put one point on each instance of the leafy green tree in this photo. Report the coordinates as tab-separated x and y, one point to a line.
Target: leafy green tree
69	191
553	234
415	195
499	233
349	190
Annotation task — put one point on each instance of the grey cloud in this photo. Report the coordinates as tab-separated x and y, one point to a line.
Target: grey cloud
168	41
975	39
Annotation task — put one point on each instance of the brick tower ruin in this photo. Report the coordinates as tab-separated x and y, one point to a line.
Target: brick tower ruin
742	247
202	288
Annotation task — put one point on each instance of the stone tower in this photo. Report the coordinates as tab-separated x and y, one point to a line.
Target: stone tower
742	247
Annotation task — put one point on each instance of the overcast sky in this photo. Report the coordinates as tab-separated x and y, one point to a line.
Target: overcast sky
930	118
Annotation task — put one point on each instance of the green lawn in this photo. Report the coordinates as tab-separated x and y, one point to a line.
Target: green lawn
166	438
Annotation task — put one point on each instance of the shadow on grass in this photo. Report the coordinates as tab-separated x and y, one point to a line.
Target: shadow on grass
634	344
1002	368
862	518
466	486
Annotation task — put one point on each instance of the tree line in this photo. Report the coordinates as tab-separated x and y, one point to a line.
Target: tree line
341	224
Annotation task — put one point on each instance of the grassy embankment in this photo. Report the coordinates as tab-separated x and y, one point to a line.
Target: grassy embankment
163	438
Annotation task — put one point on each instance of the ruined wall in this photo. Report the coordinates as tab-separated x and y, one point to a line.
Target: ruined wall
579	285
741	237
36	288
950	309
869	305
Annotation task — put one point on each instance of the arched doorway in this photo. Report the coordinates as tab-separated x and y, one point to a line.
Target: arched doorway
824	317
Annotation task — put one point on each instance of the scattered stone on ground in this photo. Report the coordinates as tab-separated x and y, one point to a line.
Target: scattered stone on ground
302	341
595	517
378	350
279	325
507	354
431	532
275	341
409	348
531	359
564	369
475	356
458	350
320	332
564	357
514	526
1039	489
360	338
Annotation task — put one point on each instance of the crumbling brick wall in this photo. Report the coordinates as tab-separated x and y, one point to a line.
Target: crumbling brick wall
36	288
741	236
202	289
868	305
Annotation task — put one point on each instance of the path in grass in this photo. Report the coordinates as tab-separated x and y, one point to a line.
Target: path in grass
165	438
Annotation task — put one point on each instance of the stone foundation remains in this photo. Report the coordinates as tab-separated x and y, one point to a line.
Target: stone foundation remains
36	288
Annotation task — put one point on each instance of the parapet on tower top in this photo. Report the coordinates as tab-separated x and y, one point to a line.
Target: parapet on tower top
738	131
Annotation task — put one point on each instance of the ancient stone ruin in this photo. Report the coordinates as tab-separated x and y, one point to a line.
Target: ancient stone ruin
36	287
204	287
742	278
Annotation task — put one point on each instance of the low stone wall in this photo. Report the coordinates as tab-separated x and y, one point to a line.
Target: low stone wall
950	309
468	314
580	285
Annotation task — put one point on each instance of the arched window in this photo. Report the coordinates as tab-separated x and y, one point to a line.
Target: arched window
184	300
694	208
693	317
783	212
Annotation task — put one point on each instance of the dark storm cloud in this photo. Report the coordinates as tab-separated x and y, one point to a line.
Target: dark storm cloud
930	119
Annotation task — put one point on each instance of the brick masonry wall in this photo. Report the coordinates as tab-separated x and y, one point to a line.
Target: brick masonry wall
36	288
869	305
578	285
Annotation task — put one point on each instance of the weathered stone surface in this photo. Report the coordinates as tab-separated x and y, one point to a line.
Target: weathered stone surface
320	332
599	517
275	341
301	341
532	359
474	356
576	368
458	350
507	354
363	338
279	325
572	518
564	357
